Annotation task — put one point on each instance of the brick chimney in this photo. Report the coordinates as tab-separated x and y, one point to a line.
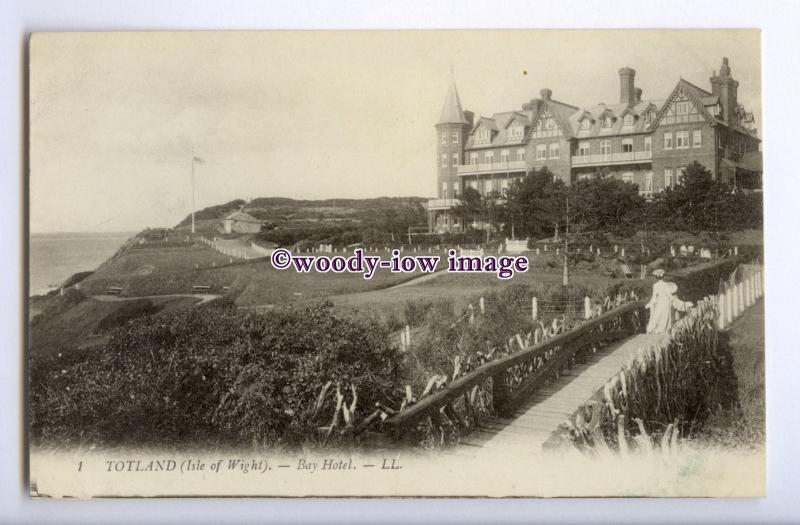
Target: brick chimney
637	95
546	94
626	89
725	87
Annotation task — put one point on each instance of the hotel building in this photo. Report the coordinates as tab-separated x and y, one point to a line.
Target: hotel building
648	142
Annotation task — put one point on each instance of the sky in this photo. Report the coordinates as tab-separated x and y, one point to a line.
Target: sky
115	118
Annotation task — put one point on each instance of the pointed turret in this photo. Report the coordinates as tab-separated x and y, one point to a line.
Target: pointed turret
452	113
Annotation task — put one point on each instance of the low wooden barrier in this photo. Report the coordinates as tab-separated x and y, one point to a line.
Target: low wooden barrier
114	290
201	289
512	378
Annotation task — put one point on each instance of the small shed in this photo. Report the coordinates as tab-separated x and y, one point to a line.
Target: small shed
239	221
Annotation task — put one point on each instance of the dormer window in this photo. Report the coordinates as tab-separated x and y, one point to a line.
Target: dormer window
627	121
606	122
549	123
649	117
682	108
586	124
515	132
483	135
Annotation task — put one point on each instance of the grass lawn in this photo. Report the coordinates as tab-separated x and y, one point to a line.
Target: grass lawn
81	324
157	270
747	346
461	288
745	427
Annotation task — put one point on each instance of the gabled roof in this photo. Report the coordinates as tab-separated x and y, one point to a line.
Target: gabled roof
617	110
452	113
520	117
486	122
695	95
241	216
561	113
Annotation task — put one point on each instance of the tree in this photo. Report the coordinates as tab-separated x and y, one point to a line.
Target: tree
471	205
534	205
607	205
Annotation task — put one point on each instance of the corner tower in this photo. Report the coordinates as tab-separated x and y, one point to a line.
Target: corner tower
451	136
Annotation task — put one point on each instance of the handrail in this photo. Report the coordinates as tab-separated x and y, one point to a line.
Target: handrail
493	368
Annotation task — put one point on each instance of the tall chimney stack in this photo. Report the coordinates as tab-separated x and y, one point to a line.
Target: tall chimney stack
626	89
546	94
725	87
638	93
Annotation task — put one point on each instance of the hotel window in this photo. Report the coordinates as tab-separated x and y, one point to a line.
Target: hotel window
521	154
627	177
697	138
648	182
541	151
444	160
682	108
455	137
554	151
504	155
607	122
605	147
648	143
515	132
668	140
455	160
667	178
628	120
473	158
586	124
649	117
583	148
627	145
488	157
681	139
679	173
483	135
444	137
444	190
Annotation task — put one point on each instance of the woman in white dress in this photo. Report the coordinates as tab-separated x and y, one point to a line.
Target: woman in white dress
662	304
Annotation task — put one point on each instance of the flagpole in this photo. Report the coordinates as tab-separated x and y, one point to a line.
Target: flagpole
192	190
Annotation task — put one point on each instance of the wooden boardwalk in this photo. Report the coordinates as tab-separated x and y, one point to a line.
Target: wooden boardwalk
533	423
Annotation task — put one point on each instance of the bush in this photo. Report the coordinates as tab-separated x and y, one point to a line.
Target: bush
209	376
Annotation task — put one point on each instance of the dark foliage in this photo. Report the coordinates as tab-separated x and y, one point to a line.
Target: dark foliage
210	376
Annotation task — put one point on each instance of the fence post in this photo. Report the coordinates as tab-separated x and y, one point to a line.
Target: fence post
721	306
500	394
587	307
471	314
728	304
741	296
483	308
534	308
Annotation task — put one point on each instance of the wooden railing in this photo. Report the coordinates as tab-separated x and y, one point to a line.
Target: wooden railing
510	379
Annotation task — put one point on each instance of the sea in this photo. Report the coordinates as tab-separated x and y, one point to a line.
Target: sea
56	256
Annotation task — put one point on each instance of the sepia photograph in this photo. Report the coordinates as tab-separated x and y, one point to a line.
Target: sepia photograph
414	263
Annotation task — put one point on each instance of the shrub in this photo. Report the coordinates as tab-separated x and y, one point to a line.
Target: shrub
209	376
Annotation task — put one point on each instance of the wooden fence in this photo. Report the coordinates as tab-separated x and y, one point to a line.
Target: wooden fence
741	290
499	385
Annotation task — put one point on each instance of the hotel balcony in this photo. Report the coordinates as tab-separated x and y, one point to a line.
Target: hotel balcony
630	157
492	167
442	204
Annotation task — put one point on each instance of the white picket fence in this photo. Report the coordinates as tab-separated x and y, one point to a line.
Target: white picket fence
740	291
224	250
